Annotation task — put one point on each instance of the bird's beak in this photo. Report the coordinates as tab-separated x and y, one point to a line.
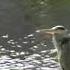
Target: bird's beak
47	31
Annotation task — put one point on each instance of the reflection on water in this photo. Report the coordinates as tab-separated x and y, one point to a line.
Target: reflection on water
25	54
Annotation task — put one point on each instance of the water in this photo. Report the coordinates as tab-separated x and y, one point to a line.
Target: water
18	18
25	54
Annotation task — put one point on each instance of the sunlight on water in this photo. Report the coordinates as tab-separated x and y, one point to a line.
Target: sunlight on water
5	36
18	55
30	35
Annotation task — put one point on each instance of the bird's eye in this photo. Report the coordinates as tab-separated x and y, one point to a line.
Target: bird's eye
60	28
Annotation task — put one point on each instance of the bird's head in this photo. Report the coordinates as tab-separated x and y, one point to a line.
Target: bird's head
57	30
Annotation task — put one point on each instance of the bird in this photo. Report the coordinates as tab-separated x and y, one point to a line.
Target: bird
61	41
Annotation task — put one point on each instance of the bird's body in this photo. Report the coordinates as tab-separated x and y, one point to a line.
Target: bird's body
61	41
62	44
64	49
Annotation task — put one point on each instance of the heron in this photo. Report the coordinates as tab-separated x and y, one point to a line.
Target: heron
61	41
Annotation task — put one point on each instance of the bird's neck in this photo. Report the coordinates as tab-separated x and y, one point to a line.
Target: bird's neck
54	40
56	45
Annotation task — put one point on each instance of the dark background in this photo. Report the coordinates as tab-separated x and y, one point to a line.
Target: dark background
12	19
21	17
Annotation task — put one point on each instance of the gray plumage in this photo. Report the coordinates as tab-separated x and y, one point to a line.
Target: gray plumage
61	41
